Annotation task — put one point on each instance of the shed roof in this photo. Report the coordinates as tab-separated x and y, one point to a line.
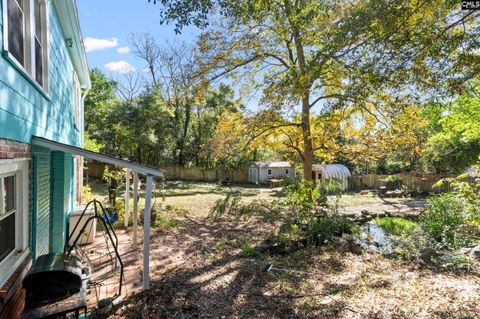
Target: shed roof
332	170
272	164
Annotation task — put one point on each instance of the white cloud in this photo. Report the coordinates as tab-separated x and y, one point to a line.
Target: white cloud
93	44
119	66
123	50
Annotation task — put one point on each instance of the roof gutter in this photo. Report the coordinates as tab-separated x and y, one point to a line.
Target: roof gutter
68	16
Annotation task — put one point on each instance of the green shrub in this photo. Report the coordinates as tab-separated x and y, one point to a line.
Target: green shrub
326	228
396	226
410	243
120	210
301	196
444	218
87	195
393	182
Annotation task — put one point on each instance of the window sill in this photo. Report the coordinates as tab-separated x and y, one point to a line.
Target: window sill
10	265
9	57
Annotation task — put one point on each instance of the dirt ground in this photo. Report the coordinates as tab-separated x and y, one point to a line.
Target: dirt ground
206	269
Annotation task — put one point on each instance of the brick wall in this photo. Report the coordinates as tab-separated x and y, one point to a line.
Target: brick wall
12	295
10	149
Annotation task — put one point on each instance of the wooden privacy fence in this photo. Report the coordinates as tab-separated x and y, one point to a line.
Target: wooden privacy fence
414	181
95	170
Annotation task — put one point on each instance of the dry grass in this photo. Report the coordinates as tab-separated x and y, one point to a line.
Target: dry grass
200	270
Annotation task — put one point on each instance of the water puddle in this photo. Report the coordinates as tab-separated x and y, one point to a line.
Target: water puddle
373	237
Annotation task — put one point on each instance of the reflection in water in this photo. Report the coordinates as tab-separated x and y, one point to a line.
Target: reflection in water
373	237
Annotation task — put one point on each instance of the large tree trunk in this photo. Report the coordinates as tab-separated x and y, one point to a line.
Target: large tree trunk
307	139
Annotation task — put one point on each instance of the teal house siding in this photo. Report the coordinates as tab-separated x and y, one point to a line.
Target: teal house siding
24	109
61	168
45	175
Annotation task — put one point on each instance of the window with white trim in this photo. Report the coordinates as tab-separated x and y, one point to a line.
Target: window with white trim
25	40
269	172
13	215
8	209
286	171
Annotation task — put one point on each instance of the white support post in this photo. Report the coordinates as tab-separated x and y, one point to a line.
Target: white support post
146	233
127	199
135	209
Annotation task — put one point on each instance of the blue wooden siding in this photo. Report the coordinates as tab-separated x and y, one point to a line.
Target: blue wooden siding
61	164
24	110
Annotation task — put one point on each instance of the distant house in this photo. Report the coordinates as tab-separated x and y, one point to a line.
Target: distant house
322	173
260	172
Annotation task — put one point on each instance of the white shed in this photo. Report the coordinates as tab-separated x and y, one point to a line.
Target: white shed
340	172
260	172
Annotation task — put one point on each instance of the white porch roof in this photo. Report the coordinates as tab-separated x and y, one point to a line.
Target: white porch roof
141	169
137	169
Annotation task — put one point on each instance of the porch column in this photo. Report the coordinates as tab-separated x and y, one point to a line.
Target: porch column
127	199
135	209
146	233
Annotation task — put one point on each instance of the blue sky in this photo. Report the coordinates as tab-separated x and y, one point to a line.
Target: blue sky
107	25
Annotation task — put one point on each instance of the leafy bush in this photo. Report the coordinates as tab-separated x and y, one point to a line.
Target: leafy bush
326	228
307	216
457	261
396	225
87	195
410	243
443	219
120	210
393	182
302	196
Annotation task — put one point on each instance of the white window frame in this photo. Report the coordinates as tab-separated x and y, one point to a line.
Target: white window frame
287	171
269	172
19	168
28	69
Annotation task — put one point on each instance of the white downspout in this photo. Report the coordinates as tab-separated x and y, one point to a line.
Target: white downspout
82	116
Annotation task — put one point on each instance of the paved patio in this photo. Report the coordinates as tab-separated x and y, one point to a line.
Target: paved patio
105	276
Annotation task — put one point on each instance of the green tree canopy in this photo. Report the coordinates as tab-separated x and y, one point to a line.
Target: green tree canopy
456	145
316	56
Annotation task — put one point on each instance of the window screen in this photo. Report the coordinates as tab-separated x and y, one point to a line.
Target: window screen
38	43
9	193
15	30
7	216
38	62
